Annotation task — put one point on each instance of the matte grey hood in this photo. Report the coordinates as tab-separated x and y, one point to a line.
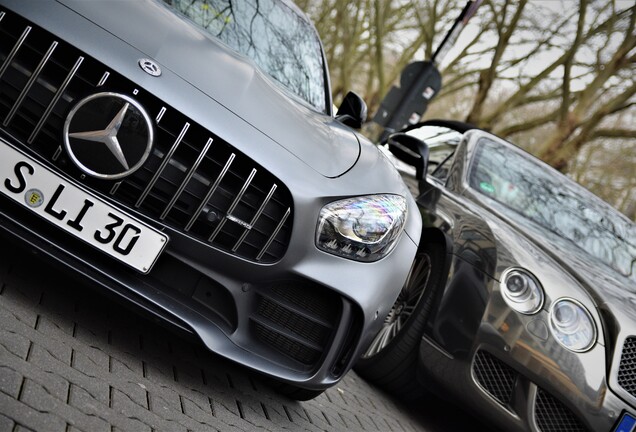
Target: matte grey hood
227	77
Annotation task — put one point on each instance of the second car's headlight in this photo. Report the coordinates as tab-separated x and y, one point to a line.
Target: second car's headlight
572	325
363	228
522	291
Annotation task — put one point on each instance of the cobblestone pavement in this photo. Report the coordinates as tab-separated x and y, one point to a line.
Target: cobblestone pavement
72	360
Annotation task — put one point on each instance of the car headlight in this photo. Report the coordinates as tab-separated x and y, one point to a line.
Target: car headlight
364	228
521	291
572	325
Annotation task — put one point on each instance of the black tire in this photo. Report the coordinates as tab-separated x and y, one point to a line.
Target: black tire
391	364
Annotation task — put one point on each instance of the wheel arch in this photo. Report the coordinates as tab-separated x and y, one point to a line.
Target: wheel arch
434	238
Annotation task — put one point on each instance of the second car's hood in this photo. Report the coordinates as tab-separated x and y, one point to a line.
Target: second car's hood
605	284
522	242
228	78
608	285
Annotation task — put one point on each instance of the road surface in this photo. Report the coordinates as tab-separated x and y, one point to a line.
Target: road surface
73	360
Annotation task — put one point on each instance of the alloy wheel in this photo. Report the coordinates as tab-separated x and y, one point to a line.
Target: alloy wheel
404	306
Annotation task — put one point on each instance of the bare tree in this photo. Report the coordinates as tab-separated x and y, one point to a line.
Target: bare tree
598	58
554	77
368	42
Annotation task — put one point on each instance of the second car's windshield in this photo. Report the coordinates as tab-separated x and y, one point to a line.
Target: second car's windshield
557	204
275	37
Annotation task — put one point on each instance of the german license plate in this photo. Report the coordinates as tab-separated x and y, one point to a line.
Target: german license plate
77	211
627	424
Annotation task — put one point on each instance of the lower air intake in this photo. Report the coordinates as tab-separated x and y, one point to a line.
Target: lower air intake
297	319
494	376
553	416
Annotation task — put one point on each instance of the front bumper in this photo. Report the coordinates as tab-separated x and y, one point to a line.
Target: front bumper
297	320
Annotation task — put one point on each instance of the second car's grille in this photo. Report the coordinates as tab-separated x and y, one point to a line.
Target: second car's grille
553	416
494	376
296	319
192	181
627	368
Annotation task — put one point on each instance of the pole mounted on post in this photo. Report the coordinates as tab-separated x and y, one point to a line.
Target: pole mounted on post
420	81
452	35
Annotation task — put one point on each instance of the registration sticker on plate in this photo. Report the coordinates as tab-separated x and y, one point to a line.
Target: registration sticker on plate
78	211
627	424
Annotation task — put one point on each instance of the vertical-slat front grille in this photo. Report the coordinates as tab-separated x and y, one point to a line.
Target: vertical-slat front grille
553	416
58	94
296	319
494	376
192	181
627	367
25	90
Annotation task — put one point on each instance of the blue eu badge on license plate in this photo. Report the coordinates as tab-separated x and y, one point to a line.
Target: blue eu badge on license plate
627	424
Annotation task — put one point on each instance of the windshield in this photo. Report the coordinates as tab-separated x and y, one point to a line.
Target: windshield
543	195
275	37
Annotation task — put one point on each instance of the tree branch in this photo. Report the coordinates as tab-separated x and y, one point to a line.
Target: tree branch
613	133
527	125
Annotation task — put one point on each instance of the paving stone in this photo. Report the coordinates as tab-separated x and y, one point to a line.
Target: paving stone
6	424
10	381
70	361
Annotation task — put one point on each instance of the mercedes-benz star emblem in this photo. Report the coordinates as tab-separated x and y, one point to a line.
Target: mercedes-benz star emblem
150	67
108	135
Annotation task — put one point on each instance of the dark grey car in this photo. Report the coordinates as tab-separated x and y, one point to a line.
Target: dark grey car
522	301
184	157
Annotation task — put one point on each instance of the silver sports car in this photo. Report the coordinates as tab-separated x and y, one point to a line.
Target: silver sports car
183	156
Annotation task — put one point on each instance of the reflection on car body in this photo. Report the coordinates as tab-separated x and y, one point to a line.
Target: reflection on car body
526	310
184	157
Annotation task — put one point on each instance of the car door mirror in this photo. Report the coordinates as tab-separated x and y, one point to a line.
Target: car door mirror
442	138
410	150
352	111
